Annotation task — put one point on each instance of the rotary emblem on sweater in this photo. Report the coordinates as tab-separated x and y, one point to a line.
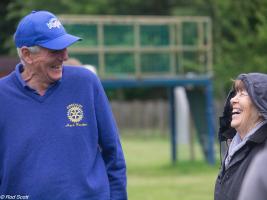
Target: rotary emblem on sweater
75	115
75	112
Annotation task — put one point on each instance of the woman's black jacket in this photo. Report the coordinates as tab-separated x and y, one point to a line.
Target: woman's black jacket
229	180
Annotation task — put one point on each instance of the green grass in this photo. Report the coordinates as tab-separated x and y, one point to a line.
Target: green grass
152	176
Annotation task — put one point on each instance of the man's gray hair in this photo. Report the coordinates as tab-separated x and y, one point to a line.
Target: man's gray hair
32	49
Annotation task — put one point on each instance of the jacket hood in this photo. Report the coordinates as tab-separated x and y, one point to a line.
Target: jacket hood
256	86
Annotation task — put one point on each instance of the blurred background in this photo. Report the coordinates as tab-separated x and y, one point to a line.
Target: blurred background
166	66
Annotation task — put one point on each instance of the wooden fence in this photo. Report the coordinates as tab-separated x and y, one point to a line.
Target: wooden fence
151	114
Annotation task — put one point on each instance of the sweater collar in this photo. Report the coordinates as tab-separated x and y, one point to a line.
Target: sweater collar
18	71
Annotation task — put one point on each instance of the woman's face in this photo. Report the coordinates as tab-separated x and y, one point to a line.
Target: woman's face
245	115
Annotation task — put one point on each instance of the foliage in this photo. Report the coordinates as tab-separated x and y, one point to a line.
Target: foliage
7	26
241	38
239	27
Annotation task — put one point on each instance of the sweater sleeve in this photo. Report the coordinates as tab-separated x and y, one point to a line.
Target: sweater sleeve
110	145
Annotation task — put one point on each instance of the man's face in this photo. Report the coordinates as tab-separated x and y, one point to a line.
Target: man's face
47	65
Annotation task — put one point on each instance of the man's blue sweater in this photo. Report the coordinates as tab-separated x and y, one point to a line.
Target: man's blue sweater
60	146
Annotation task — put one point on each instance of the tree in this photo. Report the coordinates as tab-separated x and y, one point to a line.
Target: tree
7	26
241	38
239	27
14	10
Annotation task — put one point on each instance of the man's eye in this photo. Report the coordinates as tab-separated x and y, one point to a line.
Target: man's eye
54	51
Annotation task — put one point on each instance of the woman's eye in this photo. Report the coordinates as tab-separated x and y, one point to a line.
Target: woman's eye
244	94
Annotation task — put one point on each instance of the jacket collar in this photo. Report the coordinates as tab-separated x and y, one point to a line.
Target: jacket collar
259	136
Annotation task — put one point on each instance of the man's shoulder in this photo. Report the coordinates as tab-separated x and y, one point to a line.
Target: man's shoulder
78	72
7	85
5	79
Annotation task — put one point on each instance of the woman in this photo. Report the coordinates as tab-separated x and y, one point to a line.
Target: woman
248	107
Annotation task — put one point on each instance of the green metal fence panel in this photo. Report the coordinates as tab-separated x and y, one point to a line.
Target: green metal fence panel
139	47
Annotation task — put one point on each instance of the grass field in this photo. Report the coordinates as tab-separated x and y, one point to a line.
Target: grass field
151	176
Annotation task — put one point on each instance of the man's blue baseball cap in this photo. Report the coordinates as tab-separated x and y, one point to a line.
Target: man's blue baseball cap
42	28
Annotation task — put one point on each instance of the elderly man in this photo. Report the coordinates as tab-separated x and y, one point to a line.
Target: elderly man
58	137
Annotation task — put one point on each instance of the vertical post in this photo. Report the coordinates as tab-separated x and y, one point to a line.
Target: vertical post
210	122
172	49
101	51
137	53
172	124
209	46
180	50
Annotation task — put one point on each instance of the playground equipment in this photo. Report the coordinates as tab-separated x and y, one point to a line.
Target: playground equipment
142	51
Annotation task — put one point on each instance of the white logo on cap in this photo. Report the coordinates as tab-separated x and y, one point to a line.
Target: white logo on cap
54	23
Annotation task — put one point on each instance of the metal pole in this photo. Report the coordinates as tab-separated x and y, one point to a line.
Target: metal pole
210	122
172	125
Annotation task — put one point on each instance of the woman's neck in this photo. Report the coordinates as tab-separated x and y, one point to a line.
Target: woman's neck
243	132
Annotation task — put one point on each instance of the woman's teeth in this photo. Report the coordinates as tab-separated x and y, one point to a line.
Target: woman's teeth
236	111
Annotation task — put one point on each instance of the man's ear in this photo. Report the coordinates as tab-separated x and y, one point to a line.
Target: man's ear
26	55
